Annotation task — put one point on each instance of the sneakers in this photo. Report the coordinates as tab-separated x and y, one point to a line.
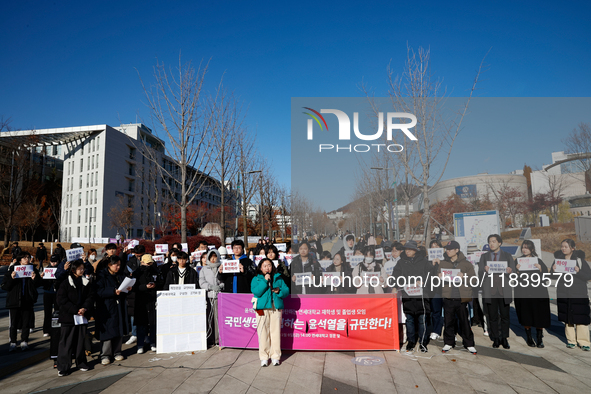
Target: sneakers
471	349
140	350
12	347
446	348
264	363
30	330
105	361
423	348
83	369
24	345
485	333
132	339
45	335
62	374
410	346
570	345
275	362
153	347
585	348
119	358
434	336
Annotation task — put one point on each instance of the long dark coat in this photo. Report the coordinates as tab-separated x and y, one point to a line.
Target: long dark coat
145	299
72	296
111	309
573	301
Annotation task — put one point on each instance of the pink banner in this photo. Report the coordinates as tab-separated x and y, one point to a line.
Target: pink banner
355	322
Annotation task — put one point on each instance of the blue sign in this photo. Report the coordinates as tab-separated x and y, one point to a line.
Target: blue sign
466	191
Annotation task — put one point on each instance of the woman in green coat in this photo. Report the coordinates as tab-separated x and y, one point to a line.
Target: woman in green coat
269	290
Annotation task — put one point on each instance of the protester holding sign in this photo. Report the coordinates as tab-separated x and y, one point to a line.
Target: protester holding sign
49	295
340	265
75	305
573	301
20	298
456	297
414	263
366	271
146	276
208	280
269	290
182	274
436	300
238	282
273	254
497	295
305	262
532	303
110	251
111	310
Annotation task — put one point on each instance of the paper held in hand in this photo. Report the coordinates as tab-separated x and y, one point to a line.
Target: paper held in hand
450	274
281	247
161	248
23	271
348	255
413	290
435	253
325	264
49	273
185	247
74	254
355	261
133	243
78	320
127	282
300	278
527	263
497	267
331	275
159	260
565	266
230	266
380	254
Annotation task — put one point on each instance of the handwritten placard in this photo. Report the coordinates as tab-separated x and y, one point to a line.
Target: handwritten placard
497	267
355	261
257	259
435	253
328	276
388	255
210	247
368	275
380	254
325	264
74	254
527	263
348	255
133	243
230	266
185	247
159	260
565	266
49	273
196	256
288	258
413	291
300	278
161	248
281	247
23	271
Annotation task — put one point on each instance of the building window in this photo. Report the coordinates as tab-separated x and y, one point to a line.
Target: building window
87	179
94	231
98	141
130	185
95	194
79	198
86	215
87	197
88	164
82	164
96	178
78	232
91	180
95	220
80	187
79	215
131	153
131	169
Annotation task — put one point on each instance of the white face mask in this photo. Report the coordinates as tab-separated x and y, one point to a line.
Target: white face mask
173	258
92	257
368	260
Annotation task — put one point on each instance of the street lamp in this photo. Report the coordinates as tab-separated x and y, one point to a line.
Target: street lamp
390	203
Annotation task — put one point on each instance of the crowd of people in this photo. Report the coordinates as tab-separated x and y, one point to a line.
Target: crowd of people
89	288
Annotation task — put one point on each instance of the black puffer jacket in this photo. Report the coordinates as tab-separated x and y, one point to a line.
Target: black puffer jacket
573	301
416	266
16	297
73	295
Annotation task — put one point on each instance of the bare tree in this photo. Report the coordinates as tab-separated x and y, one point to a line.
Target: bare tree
417	92
578	142
188	120
122	216
249	160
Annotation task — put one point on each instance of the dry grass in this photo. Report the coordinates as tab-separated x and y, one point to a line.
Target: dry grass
550	237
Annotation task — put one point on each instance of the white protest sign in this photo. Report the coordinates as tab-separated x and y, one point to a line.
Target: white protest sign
497	267
275	263
388	255
185	247
451	274
158	259
348	255
161	248
565	266
325	264
281	247
477	256
389	267
413	290
289	258
133	243
355	261
196	255
300	278
527	263
181	321
74	254
380	254
23	271
229	248
257	259
435	253
127	282
190	286
49	273
79	320
368	275
210	247
230	266
328	277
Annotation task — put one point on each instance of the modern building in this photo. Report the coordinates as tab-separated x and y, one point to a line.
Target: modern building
106	171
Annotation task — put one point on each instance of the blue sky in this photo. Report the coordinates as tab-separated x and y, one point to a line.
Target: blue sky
72	63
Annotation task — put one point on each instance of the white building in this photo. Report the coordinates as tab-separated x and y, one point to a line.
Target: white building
104	169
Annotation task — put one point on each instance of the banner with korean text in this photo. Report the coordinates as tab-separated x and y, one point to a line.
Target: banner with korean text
318	322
